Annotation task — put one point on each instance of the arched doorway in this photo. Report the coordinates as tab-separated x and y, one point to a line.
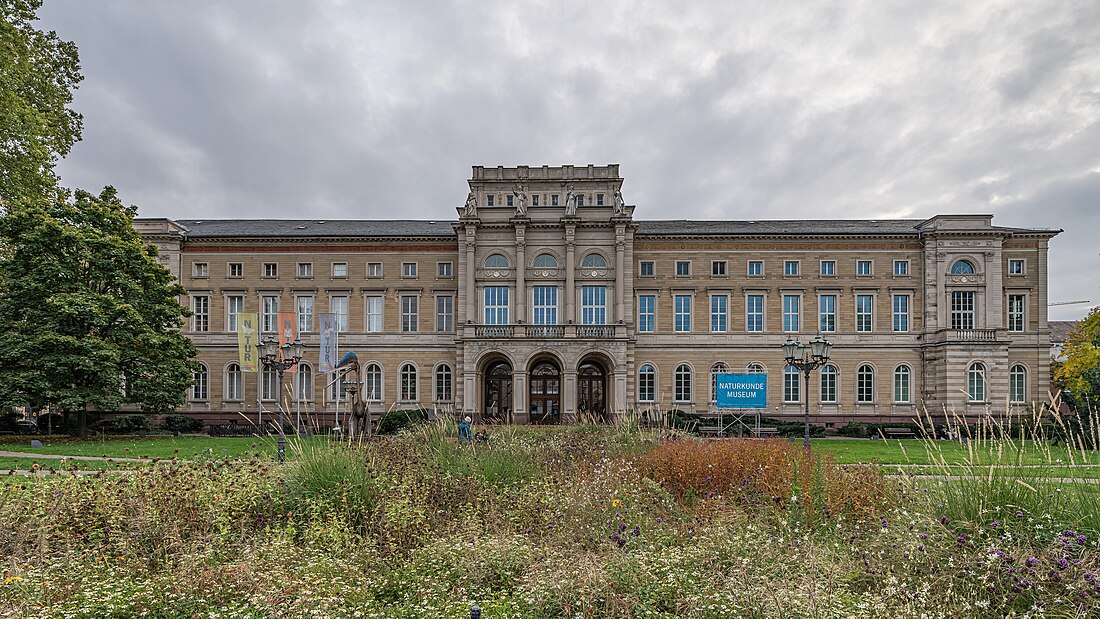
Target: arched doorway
592	391
498	392
545	394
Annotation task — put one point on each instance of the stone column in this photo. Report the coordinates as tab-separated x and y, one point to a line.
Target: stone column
570	286
569	395
521	274
620	281
470	308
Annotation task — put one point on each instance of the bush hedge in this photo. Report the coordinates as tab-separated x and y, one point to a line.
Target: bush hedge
125	424
395	421
181	423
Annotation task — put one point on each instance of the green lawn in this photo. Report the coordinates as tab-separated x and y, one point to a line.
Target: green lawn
915	451
162	447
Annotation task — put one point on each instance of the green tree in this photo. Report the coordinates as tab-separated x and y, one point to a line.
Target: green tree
1078	374
38	73
88	317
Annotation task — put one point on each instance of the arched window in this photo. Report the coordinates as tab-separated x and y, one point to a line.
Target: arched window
682	383
715	370
269	385
594	261
200	390
647	383
791	385
756	368
902	381
975	382
233	382
865	384
443	380
546	261
372	383
496	261
305	382
962	267
408	383
1017	384
828	384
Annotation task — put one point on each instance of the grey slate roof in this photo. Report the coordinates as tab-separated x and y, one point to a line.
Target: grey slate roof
675	227
312	228
1059	329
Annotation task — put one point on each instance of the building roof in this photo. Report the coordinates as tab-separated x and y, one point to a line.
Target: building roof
1059	329
779	226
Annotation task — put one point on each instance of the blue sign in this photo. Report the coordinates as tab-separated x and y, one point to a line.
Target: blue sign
742	390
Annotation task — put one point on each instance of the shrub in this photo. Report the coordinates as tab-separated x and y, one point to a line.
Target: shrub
792	428
395	421
181	423
125	424
331	476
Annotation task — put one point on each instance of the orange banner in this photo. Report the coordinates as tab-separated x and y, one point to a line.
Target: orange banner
288	332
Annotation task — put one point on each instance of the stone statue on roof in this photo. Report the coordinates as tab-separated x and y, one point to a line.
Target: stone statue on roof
620	204
570	202
521	200
470	210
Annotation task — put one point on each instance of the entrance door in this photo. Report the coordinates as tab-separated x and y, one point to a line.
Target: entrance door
545	395
498	392
592	392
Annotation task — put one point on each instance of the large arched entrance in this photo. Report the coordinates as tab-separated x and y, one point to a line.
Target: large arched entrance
498	392
544	397
592	391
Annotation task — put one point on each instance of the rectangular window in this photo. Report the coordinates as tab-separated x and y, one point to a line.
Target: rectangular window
201	389
599	199
445	314
305	269
408	269
593	305
410	313
756	268
201	269
236	269
718	268
683	268
901	267
826	313
580	199
535	200
339	306
271	269
754	313
374	314
201	319
305	314
1016	312
645	268
496	305
553	199
828	384
269	319
646	384
962	310
828	267
683	313
790	267
863	267
901	385
544	305
508	200
647	313
444	270
791	384
790	313
864	313
234	305
269	385
1015	267
339	269
719	313
490	200
374	269
901	313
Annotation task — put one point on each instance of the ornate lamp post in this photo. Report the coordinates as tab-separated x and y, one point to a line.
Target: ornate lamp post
807	359
280	359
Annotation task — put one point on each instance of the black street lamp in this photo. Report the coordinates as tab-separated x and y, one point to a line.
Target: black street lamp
807	359
280	358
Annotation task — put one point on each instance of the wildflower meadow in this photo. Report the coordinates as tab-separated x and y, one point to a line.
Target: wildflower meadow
573	521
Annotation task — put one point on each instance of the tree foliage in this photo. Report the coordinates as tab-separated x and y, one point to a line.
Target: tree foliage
1078	374
38	73
88	317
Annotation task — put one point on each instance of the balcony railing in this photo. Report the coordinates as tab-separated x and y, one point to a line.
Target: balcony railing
588	332
974	335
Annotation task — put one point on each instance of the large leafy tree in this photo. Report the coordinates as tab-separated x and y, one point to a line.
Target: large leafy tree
38	73
88	317
1079	372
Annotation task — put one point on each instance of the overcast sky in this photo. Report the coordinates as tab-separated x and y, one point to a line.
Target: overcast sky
719	110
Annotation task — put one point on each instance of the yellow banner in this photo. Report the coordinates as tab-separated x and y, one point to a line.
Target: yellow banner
247	338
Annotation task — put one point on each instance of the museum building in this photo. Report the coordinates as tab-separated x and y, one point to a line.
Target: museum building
547	301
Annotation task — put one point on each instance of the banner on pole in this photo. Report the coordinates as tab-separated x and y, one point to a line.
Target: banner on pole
288	332
246	341
326	323
742	390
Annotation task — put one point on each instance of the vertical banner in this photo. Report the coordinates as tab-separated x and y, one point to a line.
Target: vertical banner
246	341
326	324
288	332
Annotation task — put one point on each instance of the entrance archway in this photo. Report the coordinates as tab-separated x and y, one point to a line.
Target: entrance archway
498	392
592	391
544	397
